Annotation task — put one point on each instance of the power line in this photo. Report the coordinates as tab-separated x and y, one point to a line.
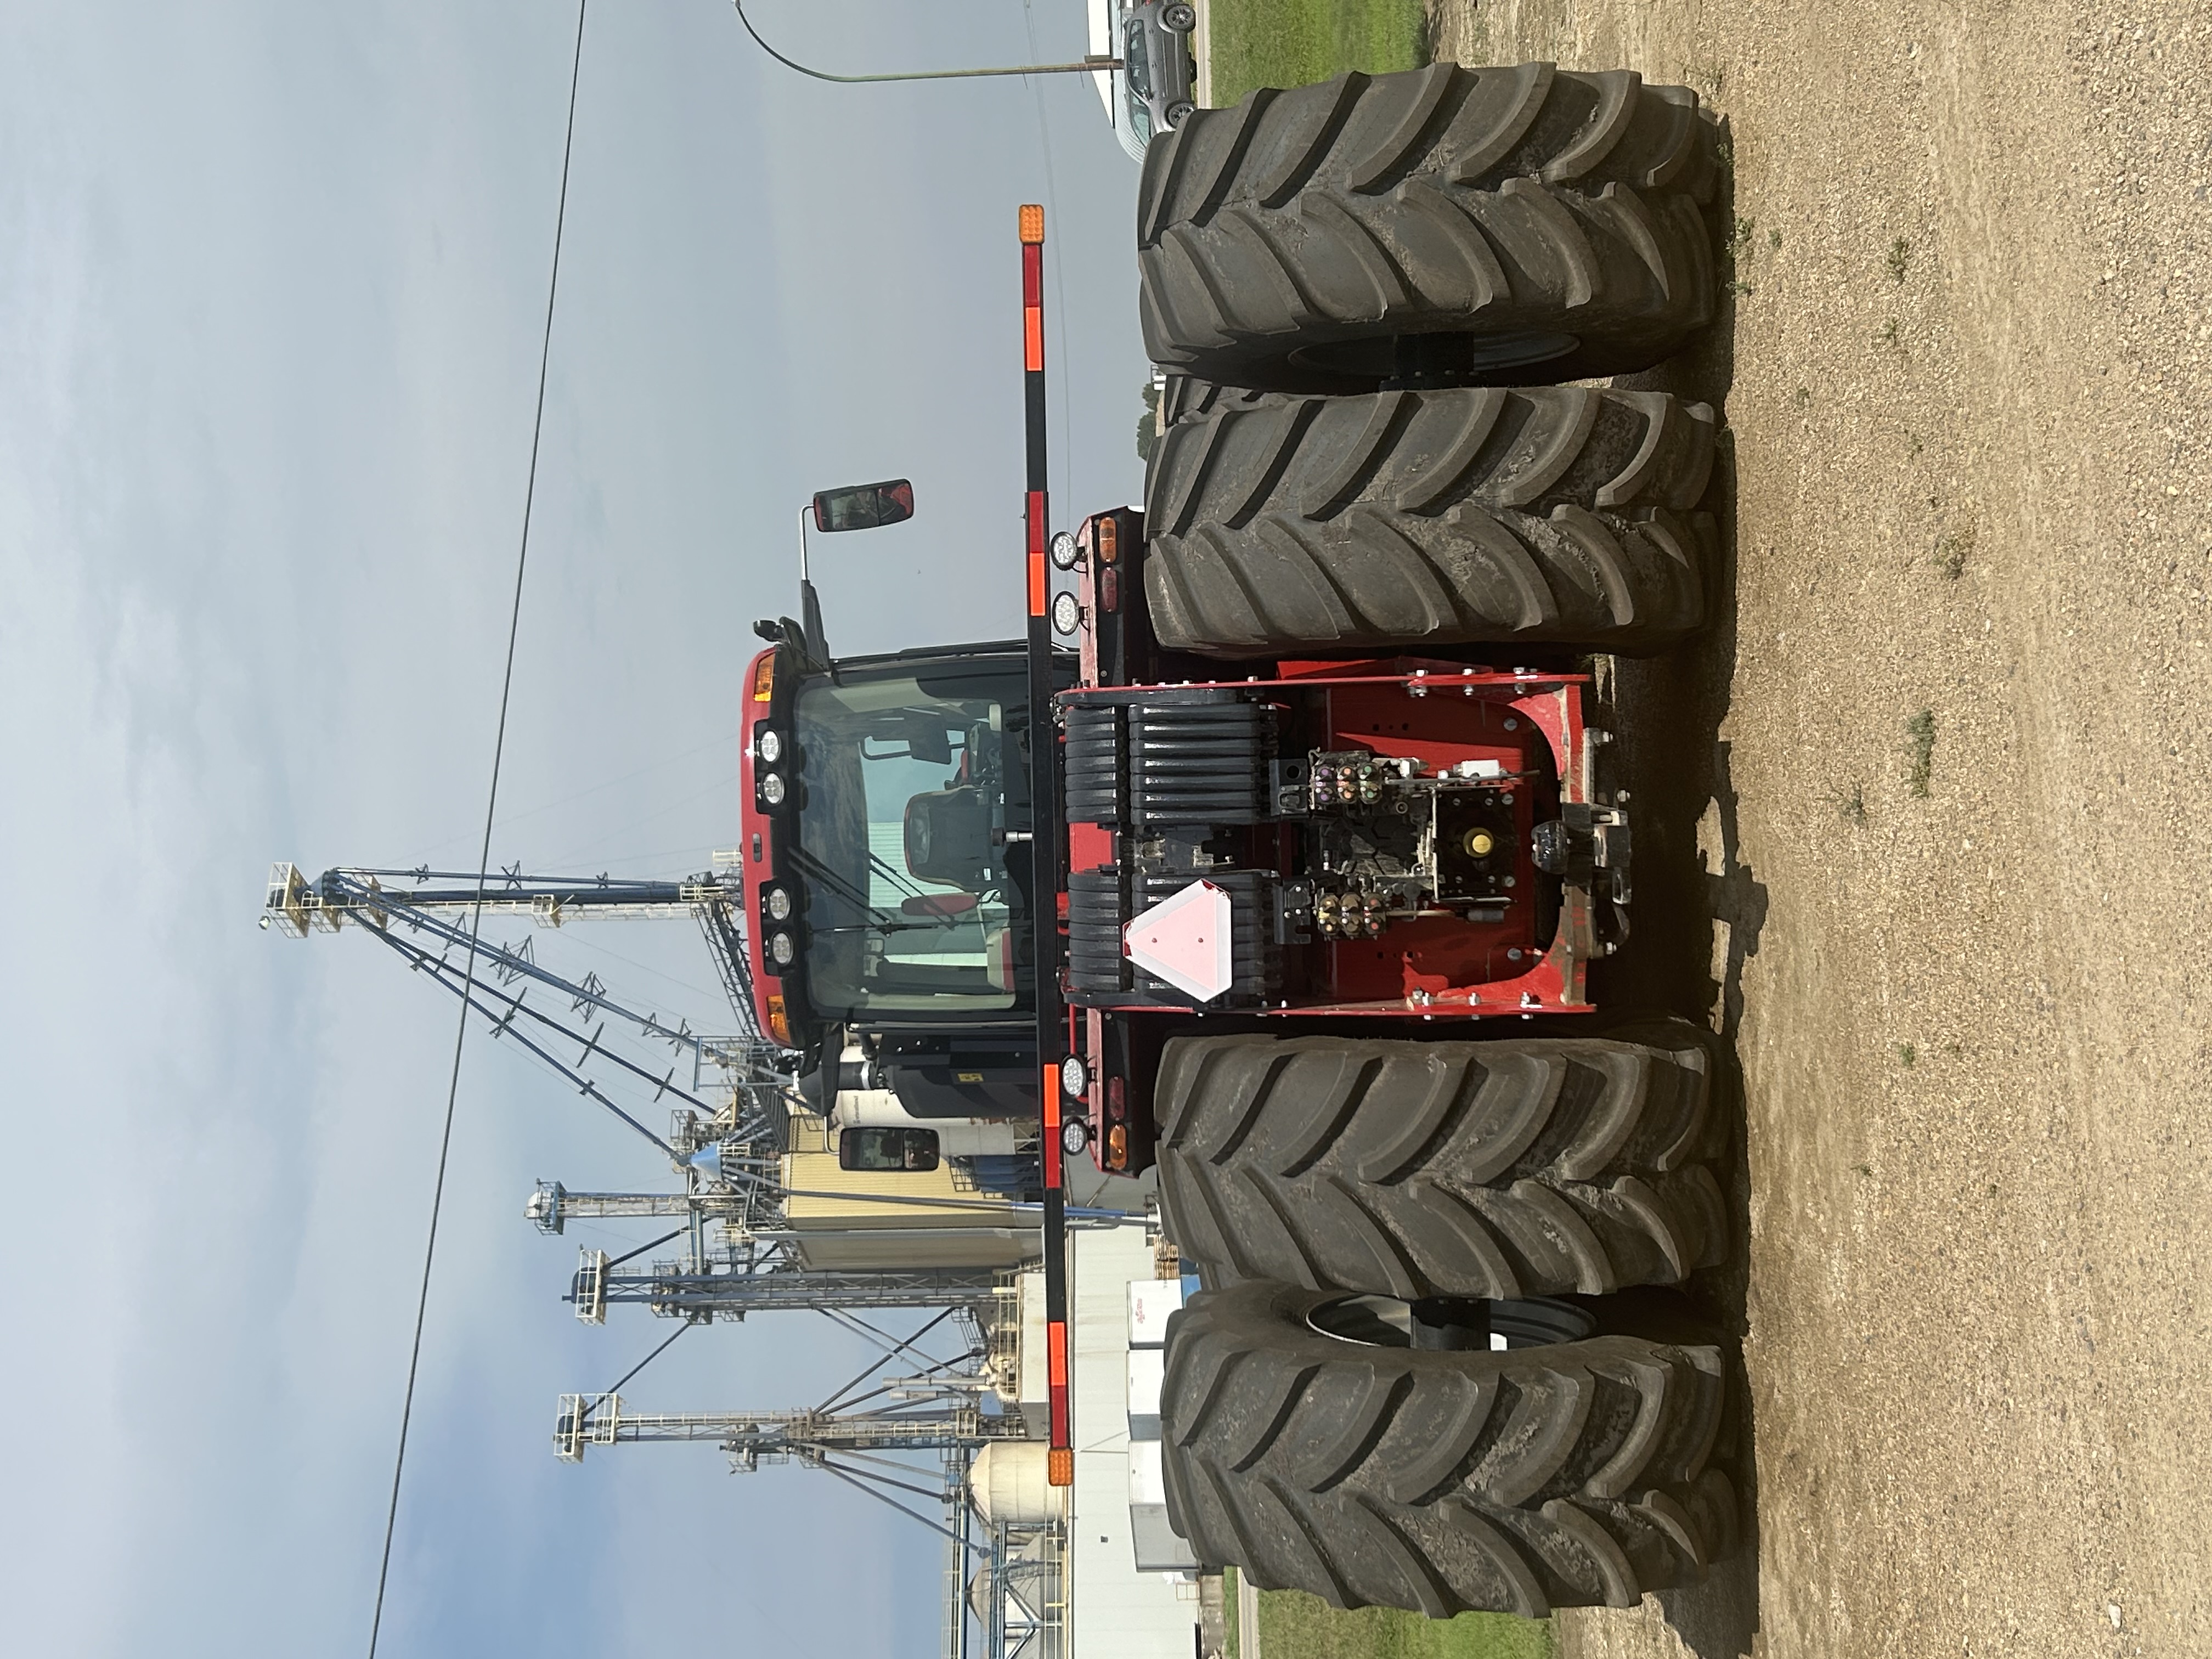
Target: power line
483	859
1088	66
513	818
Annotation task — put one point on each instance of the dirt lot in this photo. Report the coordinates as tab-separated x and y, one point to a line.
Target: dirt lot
1967	374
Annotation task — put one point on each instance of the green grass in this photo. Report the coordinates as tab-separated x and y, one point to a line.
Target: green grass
1288	43
1296	1625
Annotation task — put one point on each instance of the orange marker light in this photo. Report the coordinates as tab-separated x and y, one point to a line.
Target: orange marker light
1032	223
779	1021
1060	1466
765	676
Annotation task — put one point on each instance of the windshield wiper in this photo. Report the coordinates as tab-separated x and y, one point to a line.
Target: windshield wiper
888	926
891	873
880	922
837	883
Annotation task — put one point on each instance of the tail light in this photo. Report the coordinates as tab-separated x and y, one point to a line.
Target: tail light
1059	1464
1107	538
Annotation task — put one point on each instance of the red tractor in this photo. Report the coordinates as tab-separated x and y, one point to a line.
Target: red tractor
1286	879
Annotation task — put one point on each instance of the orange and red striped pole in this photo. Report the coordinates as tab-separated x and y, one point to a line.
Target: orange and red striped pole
1045	850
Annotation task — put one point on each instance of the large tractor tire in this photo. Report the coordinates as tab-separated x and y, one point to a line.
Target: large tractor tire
1514	1168
1563	1474
1183	398
1508	220
1555	515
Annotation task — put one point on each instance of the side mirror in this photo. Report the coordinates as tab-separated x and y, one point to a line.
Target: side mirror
865	506
886	1149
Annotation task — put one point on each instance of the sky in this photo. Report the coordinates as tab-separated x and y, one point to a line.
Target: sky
272	281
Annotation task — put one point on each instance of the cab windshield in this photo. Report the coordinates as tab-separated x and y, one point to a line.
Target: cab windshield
910	778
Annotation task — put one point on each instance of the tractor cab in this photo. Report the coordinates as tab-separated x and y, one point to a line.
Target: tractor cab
887	864
887	854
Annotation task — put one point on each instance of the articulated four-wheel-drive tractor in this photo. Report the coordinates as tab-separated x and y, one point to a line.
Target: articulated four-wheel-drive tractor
1276	859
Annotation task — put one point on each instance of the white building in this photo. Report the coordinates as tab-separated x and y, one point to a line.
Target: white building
1130	1588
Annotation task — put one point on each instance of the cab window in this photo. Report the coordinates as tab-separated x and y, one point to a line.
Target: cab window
1137	63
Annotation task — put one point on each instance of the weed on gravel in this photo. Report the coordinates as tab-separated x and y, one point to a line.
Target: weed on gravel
1953	549
1735	249
1920	734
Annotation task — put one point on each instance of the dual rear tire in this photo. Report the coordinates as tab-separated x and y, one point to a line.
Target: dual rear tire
1541	516
1386	255
1312	1436
1521	221
1546	1474
1497	1169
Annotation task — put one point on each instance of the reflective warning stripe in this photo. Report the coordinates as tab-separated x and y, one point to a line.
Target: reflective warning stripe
1051	1109
1052	1039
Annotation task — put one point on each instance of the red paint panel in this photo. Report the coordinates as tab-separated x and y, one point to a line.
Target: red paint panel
1089	846
754	825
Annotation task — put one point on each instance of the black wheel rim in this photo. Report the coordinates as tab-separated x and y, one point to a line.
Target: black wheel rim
1382	356
1385	1322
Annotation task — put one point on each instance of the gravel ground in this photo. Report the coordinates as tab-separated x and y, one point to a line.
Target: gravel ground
1966	377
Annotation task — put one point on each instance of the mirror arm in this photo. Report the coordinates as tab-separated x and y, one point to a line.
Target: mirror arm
813	643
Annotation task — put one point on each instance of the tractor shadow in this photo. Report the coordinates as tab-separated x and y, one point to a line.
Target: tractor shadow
1700	909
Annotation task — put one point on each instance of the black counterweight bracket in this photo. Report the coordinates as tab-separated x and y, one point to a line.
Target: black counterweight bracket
1581	841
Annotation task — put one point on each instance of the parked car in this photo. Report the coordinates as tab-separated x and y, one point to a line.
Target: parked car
1155	89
